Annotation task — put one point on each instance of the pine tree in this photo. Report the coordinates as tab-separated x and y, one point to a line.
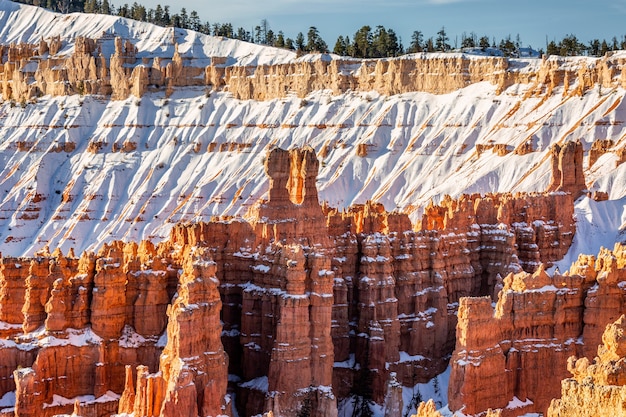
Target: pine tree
552	48
91	6
243	35
270	39
363	42
395	44
483	43
280	39
194	21
158	15
63	6
507	47
594	47
417	42
315	43
430	46
299	44
340	47
441	42
604	48
184	19
166	16
258	37
467	41
380	43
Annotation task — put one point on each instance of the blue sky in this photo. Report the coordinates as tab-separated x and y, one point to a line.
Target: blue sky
534	20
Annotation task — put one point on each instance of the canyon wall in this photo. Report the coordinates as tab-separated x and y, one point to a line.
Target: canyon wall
300	304
395	290
32	70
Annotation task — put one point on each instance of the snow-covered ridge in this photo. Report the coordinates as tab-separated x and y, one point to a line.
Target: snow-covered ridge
21	23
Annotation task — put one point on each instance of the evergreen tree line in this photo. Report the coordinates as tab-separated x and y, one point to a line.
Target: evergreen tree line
571	46
365	43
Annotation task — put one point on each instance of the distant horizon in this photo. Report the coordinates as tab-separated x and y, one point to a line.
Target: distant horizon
535	22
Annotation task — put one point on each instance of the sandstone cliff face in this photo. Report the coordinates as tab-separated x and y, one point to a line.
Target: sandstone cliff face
567	168
394	290
85	319
277	289
596	388
193	369
520	348
32	70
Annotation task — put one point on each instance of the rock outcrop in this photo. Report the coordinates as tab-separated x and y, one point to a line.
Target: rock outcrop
193	369
596	388
514	355
107	311
32	70
567	169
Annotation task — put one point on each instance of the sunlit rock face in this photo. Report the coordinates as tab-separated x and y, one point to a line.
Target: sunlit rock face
513	355
596	388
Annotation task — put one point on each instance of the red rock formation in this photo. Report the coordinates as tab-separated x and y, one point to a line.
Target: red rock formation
66	357
13	275
567	169
519	350
597	388
599	148
308	295
28	72
193	367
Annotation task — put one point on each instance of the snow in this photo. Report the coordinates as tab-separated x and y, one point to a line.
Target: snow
261	268
142	194
405	357
260	384
517	403
598	224
9	326
81	337
58	400
22	23
162	342
8	400
348	363
130	338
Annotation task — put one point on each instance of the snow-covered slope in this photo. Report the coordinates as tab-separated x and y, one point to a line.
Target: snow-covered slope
598	224
192	156
29	24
